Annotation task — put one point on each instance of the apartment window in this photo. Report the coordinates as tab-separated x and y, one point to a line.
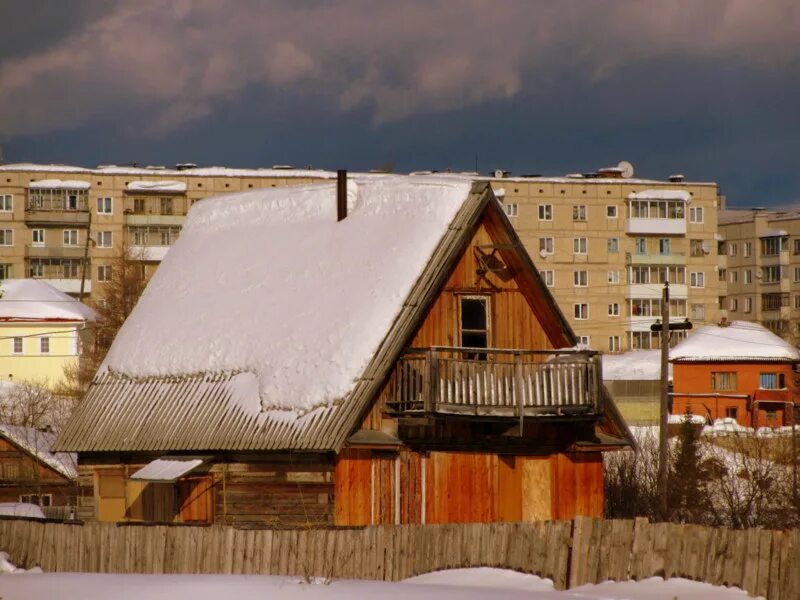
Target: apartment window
611	211
138	205
696	248
547	276
733	249
475	323
581	278
734	304
70	237
696	214
139	236
641	246
103	272
6	202
17	342
613	277
771	274
640	340
5	271
613	244
511	209
697	279
579	212
774	301
664	245
44	345
747	249
37	236
771	381
546	245
580	245
104	239
748	304
797	246
748	276
545	212
734	276
581	311
6	237
722	381
796	274
104	206
655	209
698	312
613	343
797	301
772	246
723	274
613	309
166	206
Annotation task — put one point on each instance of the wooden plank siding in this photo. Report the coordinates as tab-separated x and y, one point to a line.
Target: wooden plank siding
23	474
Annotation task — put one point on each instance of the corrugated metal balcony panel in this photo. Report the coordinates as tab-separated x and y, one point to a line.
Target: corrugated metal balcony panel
633	258
55	217
149	219
54	251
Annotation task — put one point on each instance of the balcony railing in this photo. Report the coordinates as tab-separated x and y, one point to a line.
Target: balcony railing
495	383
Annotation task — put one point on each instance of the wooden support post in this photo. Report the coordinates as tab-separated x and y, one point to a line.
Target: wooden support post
427	400
663	467
518	390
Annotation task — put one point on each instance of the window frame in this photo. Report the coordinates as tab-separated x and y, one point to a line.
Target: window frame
579	213
66	238
545	212
612	208
548	274
724	381
105	239
486	300
7	203
580	245
697	279
104	202
44	345
580	278
6	237
580	311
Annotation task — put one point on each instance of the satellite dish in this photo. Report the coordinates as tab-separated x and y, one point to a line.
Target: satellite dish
499	173
626	169
543	253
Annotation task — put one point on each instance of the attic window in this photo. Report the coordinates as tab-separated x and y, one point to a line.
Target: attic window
474	316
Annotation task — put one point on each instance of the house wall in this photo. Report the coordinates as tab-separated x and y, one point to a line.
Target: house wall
404	486
32	364
696	378
21	474
265	489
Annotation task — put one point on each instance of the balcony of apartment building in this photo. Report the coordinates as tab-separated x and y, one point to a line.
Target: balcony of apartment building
650	212
644	311
647	281
774	246
490	383
63	272
54	203
150	243
161	203
774	279
775	306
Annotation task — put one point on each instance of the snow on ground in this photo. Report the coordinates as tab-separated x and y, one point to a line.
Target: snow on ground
275	264
458	584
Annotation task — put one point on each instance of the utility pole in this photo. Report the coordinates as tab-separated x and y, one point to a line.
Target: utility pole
663	467
86	254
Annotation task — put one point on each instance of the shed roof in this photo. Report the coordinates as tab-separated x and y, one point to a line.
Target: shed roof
38	443
739	341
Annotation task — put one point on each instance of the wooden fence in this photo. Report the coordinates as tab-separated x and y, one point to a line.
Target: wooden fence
571	553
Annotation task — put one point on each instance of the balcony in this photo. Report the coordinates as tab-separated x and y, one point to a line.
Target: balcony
655	259
655	290
57	211
153	219
480	382
149	253
54	252
656	226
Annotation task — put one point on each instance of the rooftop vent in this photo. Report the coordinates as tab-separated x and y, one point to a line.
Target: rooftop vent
185	166
677	178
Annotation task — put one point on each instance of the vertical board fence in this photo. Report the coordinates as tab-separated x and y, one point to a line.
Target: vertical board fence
571	553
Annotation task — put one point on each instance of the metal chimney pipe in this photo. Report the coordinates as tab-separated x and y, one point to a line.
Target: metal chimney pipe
341	194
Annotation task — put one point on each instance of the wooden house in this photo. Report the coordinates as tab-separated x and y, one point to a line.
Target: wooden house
379	351
31	473
738	370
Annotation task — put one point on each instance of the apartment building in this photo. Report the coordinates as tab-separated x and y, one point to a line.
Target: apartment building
604	242
760	260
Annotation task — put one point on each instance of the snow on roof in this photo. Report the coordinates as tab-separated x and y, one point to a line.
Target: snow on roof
637	365
167	469
35	299
774	233
38	443
59	184
268	282
18	509
157	186
738	341
671	194
188	172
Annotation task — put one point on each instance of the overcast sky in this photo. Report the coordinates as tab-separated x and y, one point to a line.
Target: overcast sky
708	88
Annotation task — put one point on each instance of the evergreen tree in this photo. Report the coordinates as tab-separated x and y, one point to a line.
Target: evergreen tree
688	500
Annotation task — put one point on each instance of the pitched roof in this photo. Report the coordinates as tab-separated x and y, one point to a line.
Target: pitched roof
225	352
34	299
39	443
739	341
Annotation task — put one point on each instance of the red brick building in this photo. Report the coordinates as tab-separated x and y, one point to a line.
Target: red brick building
739	370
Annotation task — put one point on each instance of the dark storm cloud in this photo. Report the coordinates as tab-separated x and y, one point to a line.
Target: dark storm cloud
677	82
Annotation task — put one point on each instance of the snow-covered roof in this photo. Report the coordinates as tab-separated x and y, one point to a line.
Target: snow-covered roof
636	365
59	184
670	194
167	469
38	443
774	233
269	282
34	299
188	172
739	341
178	187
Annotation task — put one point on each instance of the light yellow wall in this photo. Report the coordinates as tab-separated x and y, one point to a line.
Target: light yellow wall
32	365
